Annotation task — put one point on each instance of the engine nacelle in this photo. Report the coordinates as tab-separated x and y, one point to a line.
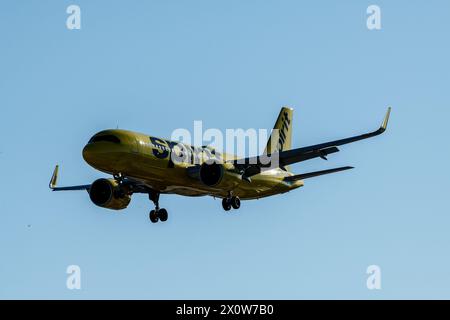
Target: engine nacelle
107	193
218	175
211	174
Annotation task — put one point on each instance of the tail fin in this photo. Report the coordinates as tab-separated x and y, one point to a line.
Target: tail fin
281	136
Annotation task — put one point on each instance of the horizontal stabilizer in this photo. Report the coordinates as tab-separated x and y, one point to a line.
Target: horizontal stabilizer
315	174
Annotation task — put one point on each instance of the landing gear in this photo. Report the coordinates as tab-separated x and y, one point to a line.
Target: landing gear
159	214
231	202
235	202
226	205
153	216
163	215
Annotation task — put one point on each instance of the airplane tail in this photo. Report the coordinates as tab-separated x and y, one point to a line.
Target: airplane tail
281	137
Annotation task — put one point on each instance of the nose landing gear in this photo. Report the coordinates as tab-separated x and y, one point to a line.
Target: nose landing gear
159	214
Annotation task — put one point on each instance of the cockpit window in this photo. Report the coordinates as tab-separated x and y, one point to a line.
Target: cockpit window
108	138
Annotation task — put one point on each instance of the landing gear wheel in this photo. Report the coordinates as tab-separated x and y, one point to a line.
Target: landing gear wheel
163	215
153	216
235	202
226	204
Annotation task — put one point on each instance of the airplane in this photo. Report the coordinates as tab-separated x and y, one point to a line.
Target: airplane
140	163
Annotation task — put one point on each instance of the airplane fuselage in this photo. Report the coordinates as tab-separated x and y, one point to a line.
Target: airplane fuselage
148	159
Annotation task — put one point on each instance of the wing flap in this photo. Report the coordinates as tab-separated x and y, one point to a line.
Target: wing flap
298	155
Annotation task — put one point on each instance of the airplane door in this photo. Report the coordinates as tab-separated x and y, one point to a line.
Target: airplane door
135	146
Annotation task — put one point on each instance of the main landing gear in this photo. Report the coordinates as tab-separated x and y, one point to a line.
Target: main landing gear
159	214
231	202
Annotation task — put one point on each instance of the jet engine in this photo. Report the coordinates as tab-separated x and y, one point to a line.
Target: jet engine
107	193
211	174
218	175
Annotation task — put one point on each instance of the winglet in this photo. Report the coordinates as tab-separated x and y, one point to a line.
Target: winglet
52	184
385	121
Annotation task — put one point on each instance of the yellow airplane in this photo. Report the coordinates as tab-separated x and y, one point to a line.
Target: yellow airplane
145	164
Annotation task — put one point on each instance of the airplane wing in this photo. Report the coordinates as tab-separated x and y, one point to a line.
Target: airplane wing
134	185
253	165
351	139
52	184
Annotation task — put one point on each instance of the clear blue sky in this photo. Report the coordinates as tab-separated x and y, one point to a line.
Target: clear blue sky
156	66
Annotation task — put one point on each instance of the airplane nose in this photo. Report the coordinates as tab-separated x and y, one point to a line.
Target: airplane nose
87	153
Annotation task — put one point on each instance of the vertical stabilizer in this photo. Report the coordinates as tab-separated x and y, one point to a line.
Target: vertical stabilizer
281	136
